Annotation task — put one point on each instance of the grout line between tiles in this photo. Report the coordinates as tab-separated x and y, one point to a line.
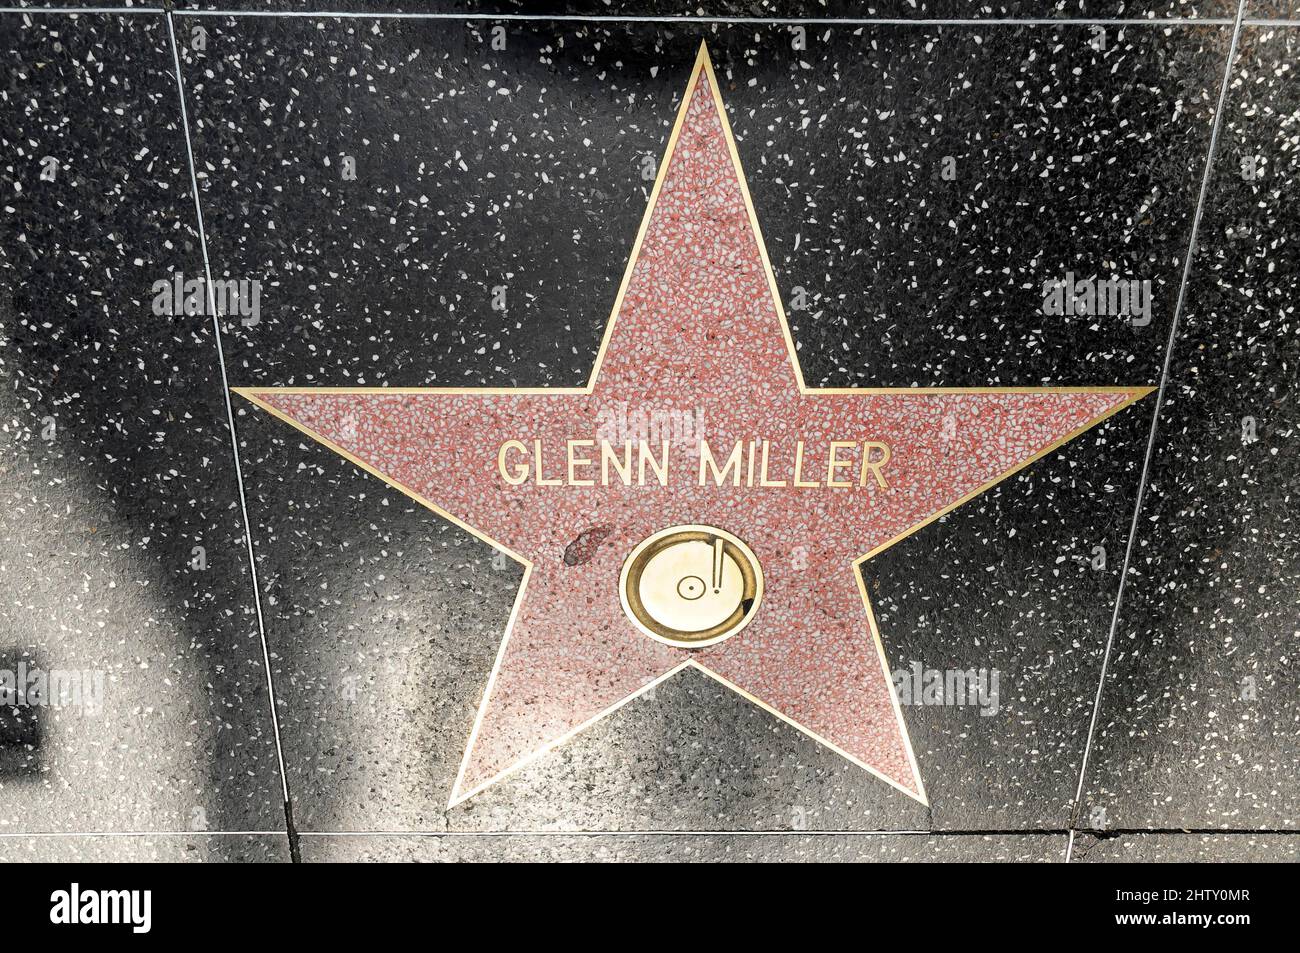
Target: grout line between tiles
656	832
542	832
1277	23
725	20
1283	23
1008	832
1206	176
75	10
11	835
234	442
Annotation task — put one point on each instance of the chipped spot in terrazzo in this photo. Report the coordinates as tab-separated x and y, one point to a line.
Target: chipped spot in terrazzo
584	546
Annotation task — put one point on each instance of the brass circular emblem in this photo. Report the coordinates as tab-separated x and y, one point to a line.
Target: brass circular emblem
691	586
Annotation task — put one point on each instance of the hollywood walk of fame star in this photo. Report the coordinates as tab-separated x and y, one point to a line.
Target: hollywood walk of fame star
697	326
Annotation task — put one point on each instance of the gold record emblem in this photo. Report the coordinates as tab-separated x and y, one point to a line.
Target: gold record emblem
691	586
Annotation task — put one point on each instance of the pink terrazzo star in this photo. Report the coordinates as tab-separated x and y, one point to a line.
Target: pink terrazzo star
697	328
